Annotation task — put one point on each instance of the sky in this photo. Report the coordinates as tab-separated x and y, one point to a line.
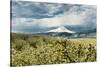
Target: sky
32	17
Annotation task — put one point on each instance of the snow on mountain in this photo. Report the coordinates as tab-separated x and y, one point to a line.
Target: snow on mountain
61	29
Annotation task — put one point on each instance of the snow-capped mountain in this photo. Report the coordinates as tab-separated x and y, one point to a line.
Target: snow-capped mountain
61	29
65	32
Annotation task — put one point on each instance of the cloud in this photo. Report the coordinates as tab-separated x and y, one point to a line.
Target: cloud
70	19
28	9
35	16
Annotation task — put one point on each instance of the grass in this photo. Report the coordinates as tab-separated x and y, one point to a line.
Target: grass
36	50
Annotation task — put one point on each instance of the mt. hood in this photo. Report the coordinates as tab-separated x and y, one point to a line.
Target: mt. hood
61	29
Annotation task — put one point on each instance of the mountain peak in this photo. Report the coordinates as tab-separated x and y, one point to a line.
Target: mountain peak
61	29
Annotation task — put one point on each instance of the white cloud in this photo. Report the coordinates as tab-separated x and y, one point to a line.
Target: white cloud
71	19
21	23
52	8
75	15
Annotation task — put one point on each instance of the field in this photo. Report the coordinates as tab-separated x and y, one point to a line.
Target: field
38	50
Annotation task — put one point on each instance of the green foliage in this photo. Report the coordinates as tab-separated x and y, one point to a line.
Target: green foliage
36	50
